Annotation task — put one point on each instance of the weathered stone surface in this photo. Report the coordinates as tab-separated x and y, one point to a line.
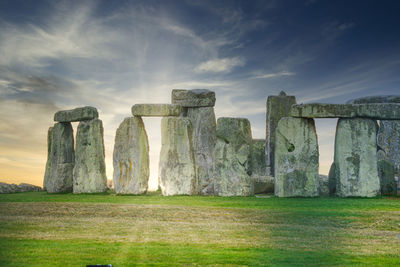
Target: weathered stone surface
8	188
386	178
388	111
193	98
258	161
47	172
156	110
323	189
389	141
232	169
296	158
380	154
263	184
277	108
389	131
177	170
90	168
77	114
375	99
332	179
131	157
22	187
60	158
204	140
355	158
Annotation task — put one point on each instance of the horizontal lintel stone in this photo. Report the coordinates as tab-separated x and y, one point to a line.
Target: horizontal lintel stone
193	98
156	110
383	111
78	114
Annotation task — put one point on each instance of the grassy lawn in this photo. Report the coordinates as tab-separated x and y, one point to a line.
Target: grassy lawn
40	229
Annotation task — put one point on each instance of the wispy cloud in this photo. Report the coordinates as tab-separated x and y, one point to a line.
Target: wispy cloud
273	75
220	65
334	29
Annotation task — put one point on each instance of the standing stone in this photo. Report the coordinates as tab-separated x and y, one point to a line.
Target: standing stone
324	189
177	170
296	158
90	168
389	131
386	177
204	139
233	158
60	159
131	157
262	183
332	179
277	108
258	163
389	141
355	158
49	158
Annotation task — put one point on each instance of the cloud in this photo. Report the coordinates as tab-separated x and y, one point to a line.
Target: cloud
224	65
274	75
334	29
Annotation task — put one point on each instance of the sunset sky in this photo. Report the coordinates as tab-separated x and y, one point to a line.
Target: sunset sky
112	54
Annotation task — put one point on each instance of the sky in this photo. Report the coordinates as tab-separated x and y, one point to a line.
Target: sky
57	55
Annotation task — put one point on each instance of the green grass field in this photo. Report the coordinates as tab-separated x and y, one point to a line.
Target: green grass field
39	229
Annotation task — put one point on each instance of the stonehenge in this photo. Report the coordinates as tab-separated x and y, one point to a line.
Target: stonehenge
364	149
79	170
202	155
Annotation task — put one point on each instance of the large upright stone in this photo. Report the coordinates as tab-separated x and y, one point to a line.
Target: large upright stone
77	114
386	177
90	168
156	110
47	172
193	98
233	158
389	141
389	131
332	179
296	158
204	139
355	158
258	162
262	182
60	158
277	108
131	157
177	170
